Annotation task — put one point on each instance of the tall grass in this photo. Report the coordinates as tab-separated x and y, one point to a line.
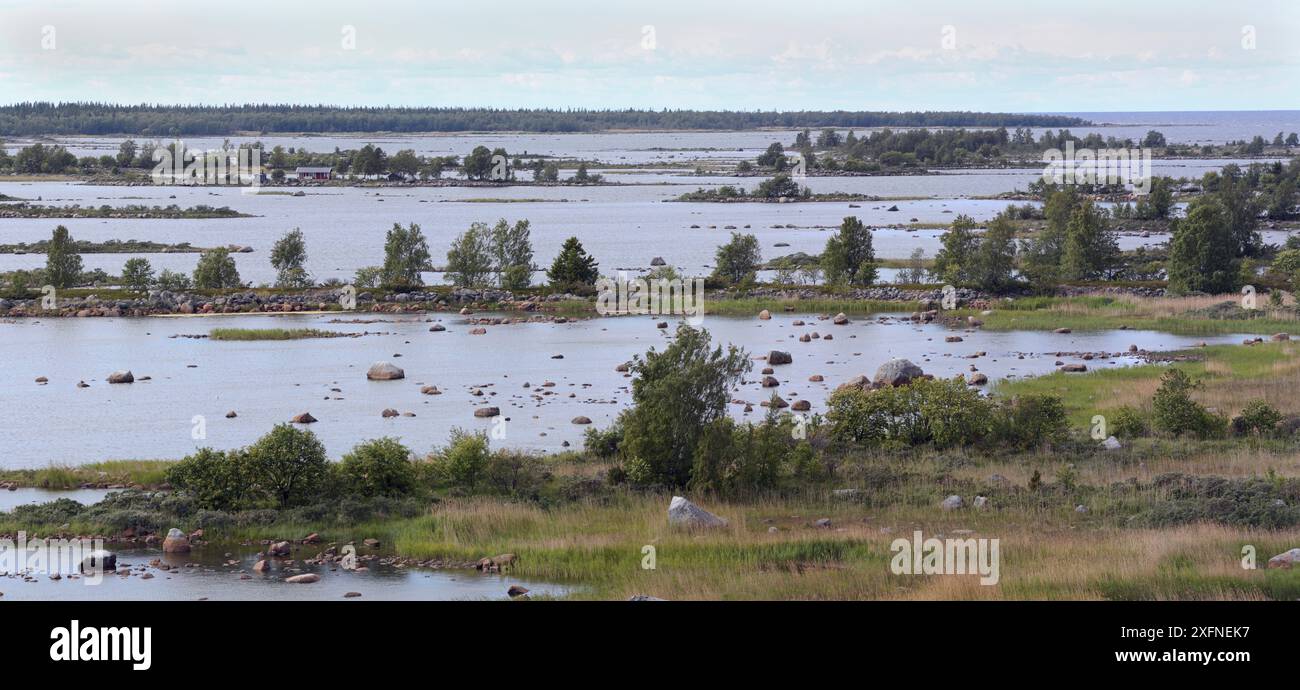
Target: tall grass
273	333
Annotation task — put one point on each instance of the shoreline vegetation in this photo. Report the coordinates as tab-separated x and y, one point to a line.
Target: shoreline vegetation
247	334
111	247
817	522
133	212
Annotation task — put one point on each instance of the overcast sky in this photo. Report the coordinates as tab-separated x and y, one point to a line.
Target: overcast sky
852	54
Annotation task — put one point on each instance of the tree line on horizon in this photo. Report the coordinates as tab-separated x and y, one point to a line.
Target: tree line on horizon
45	118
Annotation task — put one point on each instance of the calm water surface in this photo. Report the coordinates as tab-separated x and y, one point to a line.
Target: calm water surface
195	382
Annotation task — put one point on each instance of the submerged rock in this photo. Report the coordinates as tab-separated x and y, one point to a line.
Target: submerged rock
121	377
385	371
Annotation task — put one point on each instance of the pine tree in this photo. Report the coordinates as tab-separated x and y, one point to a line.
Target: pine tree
572	267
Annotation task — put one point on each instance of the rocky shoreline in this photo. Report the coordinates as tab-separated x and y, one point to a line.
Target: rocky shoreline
165	303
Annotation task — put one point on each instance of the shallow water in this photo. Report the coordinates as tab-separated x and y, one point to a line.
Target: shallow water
195	382
31	495
213	579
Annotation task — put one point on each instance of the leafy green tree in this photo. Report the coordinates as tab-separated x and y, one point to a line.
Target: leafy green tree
137	274
126	153
1091	249
572	267
406	255
171	281
216	270
1241	209
915	271
18	284
773	157
955	262
404	162
676	395
995	259
464	462
62	262
1154	140
849	257
290	464
512	250
1202	251
381	467
469	261
738	259
478	164
288	256
368	277
778	186
1158	202
1042	253
217	480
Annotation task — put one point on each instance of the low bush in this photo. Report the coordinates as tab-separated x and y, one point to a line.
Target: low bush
1259	417
1176	413
1128	422
938	412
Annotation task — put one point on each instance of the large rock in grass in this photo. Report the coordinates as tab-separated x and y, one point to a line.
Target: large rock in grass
683	513
385	371
897	372
176	542
121	377
1287	559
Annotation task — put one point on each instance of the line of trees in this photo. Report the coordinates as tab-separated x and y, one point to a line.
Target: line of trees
36	118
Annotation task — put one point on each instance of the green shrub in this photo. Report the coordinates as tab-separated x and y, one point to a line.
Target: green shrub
943	413
55	512
214	519
465	459
603	444
381	467
1128	422
516	474
1032	421
218	480
1260	417
1176	413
